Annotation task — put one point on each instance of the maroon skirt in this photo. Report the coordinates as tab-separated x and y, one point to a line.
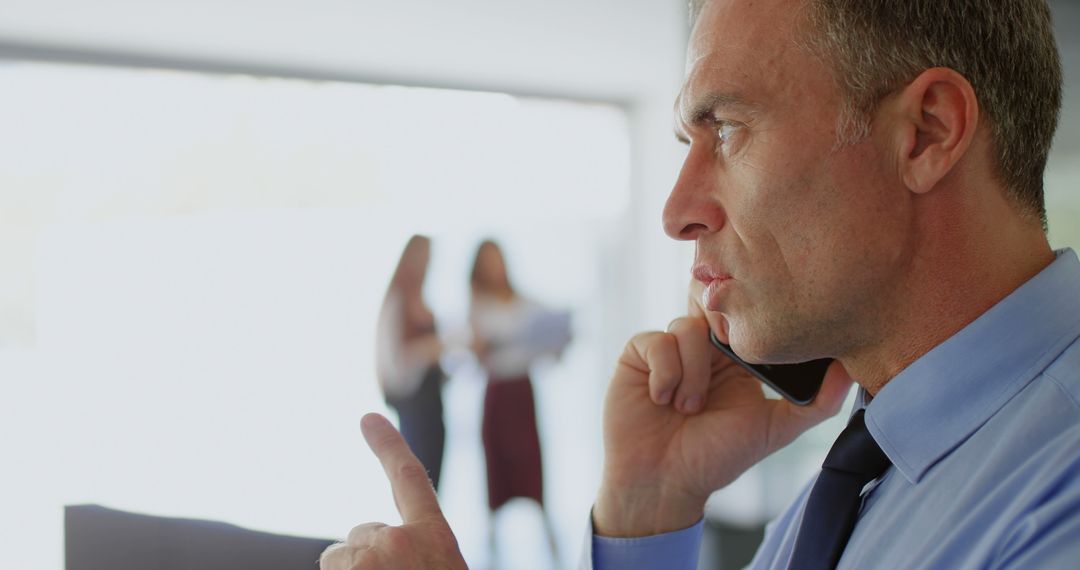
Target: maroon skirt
511	442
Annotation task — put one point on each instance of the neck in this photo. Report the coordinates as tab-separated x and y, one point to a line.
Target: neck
958	266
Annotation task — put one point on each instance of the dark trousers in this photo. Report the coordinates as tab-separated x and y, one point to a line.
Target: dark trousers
421	416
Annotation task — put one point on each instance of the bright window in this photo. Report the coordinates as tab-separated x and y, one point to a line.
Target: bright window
190	269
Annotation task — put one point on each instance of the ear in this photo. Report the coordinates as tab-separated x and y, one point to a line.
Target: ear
939	115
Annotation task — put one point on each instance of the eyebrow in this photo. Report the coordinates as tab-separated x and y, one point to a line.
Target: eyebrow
702	110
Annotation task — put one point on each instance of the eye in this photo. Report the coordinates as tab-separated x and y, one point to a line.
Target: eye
724	131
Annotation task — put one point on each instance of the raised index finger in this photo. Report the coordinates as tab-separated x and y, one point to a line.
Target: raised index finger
413	494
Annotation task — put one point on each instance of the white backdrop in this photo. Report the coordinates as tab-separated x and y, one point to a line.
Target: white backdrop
203	258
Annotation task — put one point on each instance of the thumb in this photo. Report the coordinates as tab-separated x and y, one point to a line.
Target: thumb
413	494
833	392
830	398
790	420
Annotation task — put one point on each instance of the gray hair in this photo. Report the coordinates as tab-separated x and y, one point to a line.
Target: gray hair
1004	48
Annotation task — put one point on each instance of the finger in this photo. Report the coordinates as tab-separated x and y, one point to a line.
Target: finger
695	357
659	354
363	536
695	305
338	557
413	493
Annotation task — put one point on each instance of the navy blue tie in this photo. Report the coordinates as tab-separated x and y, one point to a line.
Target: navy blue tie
833	507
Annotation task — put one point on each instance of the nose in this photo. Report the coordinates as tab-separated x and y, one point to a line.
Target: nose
692	208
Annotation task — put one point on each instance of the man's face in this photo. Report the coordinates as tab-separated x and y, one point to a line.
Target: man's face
800	244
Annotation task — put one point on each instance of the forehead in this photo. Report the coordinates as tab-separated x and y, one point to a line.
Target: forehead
743	50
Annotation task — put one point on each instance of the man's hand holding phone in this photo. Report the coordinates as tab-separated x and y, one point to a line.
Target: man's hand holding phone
682	419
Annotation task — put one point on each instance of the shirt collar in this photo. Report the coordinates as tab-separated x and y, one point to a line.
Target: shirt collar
942	398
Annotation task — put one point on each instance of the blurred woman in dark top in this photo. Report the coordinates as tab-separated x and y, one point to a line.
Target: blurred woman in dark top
407	358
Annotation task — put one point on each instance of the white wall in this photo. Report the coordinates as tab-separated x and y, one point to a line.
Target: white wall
627	51
595	48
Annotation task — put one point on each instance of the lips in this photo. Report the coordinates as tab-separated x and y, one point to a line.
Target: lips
707	274
714	280
712	297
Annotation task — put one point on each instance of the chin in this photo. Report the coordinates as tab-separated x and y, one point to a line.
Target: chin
746	345
758	347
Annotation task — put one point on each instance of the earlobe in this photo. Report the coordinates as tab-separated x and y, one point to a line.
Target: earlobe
939	116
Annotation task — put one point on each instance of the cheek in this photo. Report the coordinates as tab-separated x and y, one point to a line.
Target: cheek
798	208
803	237
781	184
784	222
862	232
873	209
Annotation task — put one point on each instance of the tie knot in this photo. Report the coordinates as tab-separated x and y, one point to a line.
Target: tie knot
856	452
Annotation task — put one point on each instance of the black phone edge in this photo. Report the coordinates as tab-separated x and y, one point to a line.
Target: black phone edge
750	368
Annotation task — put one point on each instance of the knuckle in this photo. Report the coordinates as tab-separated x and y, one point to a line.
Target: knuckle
640	339
675	324
664	339
690	329
445	536
387	440
361	534
649	345
412	471
441	540
336	557
395	539
364	560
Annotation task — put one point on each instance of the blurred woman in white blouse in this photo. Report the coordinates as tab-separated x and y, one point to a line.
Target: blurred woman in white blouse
509	334
407	358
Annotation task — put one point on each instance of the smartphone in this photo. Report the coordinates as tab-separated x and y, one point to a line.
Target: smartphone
798	383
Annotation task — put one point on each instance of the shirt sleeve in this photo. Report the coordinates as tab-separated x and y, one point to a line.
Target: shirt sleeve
676	550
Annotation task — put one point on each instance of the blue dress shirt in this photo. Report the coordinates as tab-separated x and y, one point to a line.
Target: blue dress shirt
983	433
